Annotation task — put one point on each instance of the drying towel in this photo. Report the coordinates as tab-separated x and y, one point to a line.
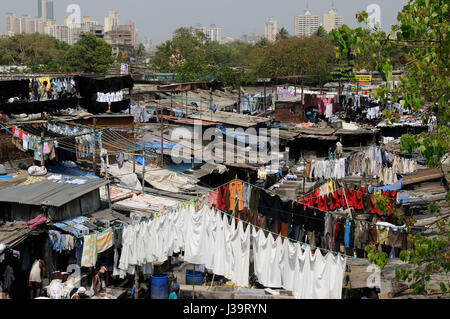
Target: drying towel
89	257
39	220
104	240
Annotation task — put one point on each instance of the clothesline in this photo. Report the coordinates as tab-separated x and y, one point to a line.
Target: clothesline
292	240
281	196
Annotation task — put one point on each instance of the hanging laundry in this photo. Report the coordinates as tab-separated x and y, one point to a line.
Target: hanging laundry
104	240
89	256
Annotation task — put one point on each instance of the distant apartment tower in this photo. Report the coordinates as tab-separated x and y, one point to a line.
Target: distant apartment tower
45	9
111	21
213	32
306	24
132	27
270	30
120	38
12	24
332	20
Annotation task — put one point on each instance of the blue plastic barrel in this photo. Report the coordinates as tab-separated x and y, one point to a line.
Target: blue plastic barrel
160	286
190	277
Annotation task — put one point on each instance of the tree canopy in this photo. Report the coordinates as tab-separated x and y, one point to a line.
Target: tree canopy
419	43
38	51
89	55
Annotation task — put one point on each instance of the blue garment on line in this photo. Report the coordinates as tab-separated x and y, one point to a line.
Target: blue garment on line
347	233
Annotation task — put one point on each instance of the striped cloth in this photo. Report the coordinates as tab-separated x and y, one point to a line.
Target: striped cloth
104	240
89	257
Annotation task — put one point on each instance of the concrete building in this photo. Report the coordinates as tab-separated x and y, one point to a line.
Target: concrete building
121	39
213	32
250	38
332	20
132	27
306	24
111	21
12	24
271	30
45	9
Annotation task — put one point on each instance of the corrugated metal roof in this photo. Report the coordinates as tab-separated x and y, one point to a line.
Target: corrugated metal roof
48	193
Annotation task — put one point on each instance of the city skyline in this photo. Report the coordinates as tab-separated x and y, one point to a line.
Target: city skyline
234	18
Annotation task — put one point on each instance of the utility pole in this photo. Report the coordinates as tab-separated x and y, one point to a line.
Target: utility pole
303	103
162	136
42	150
93	155
134	144
265	104
239	101
143	170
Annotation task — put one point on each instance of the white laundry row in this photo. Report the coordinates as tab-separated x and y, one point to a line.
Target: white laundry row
207	237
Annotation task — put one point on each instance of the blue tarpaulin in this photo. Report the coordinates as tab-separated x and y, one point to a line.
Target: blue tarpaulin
157	146
5	178
394	187
239	137
140	161
70	171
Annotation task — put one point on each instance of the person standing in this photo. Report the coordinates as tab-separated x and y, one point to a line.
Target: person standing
37	273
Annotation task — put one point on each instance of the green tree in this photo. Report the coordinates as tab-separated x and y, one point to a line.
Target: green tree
140	51
89	55
321	32
283	34
420	41
295	56
42	53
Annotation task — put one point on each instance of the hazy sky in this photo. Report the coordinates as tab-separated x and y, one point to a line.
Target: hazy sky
158	19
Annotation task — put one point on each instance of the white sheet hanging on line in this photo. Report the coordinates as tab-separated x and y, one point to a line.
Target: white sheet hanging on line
195	247
241	255
219	259
289	264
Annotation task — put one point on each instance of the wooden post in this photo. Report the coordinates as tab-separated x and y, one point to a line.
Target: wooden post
302	110
143	170
295	87
193	284
136	283
239	98
42	150
162	138
186	105
134	142
107	185
93	155
265	96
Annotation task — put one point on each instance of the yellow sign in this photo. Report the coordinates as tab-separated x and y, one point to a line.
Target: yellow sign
363	78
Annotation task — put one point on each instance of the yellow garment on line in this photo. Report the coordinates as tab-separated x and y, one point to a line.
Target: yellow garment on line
89	257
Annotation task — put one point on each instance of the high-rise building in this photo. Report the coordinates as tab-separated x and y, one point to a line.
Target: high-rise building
132	27
12	24
45	9
332	20
120	37
111	21
306	24
270	30
213	32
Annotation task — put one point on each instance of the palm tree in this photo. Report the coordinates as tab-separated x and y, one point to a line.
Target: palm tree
283	34
321	32
262	43
140	50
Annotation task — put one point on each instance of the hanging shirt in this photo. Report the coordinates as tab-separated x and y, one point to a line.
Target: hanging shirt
240	243
196	237
261	254
289	264
219	245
